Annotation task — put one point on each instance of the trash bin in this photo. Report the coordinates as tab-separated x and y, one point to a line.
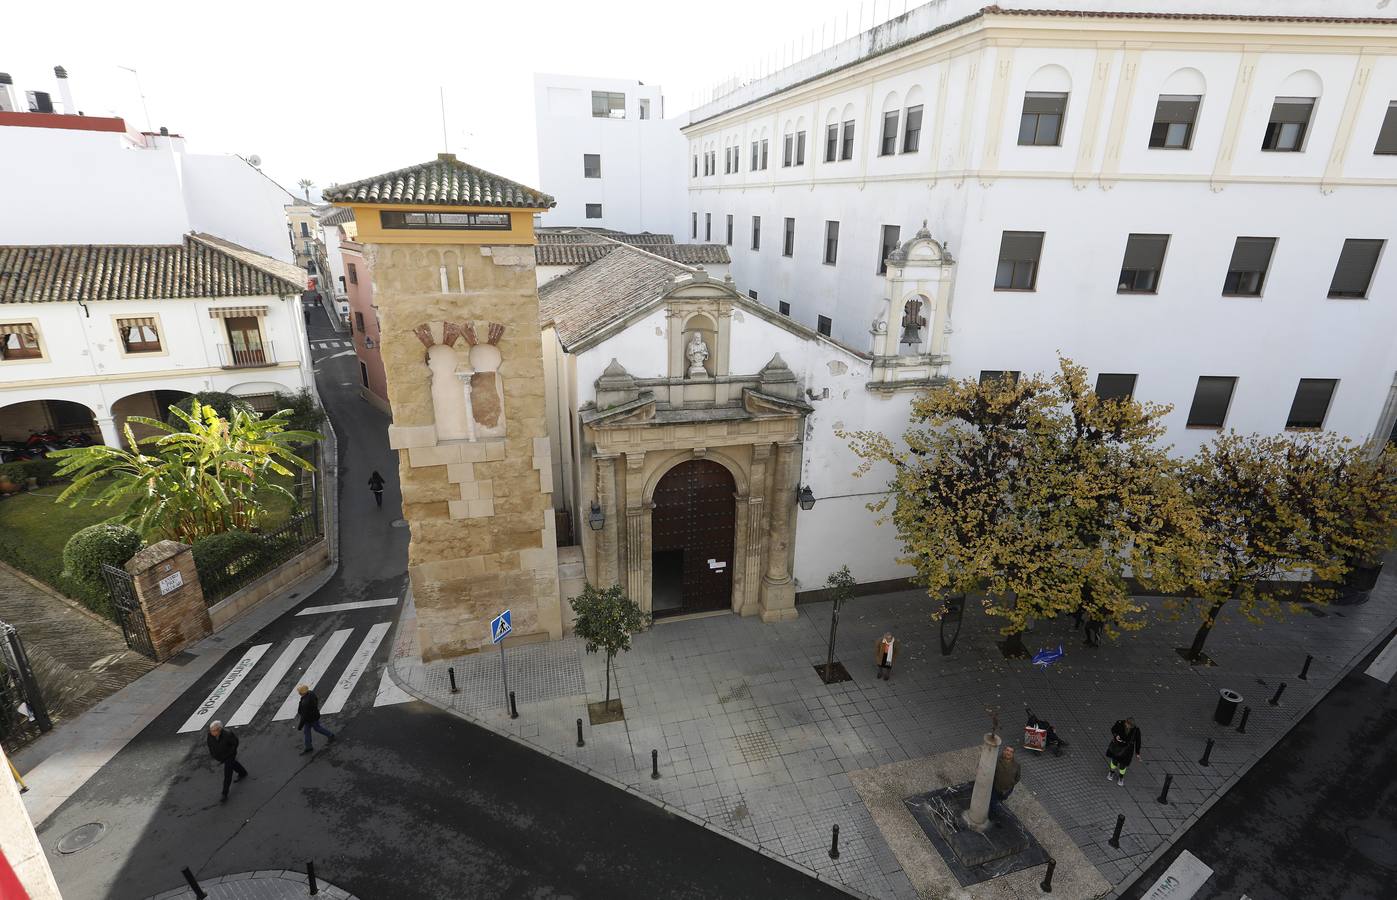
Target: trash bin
1228	701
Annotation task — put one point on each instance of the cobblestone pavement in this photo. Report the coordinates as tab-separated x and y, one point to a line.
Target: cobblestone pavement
77	660
268	885
752	743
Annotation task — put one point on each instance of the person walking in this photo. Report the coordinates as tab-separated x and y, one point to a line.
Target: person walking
223	747
308	716
1093	629
1124	749
1006	776
376	485
887	651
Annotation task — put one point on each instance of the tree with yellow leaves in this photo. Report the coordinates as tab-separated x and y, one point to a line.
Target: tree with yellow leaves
1285	506
1039	496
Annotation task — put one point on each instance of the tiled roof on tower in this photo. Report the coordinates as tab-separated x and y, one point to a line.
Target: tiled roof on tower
445	181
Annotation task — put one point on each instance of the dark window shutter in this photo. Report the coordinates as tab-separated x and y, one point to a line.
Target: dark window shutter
1295	110
1354	272
1210	401
1311	402
1252	254
1176	108
1054	104
1387	135
1145	251
1115	386
1021	245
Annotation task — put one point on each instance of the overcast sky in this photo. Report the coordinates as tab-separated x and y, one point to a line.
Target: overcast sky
339	91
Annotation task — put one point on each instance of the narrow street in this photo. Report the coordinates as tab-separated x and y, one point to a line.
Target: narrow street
410	802
1314	817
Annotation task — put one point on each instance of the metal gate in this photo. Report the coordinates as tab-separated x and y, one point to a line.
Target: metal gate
121	586
693	523
23	714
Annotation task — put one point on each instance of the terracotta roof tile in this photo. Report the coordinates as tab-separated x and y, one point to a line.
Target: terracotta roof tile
1188	16
614	286
445	181
201	266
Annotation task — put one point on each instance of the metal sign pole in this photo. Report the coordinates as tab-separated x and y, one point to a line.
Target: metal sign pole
504	674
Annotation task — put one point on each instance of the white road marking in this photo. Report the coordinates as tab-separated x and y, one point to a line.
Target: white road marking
357	664
225	686
269	681
317	669
341	607
337	355
1182	879
1384	666
389	692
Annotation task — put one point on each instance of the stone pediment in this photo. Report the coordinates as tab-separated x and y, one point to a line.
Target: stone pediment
763	405
639	411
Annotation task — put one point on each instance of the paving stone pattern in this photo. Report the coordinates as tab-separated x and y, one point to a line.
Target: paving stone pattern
277	884
752	743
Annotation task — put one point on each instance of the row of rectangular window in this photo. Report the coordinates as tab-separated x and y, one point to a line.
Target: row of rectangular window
1212	397
1044	113
1143	265
823	324
1041	125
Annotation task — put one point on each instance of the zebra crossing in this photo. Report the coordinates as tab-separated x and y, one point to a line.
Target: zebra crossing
274	676
324	344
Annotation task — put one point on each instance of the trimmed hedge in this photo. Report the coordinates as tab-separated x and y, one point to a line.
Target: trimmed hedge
305	414
85	553
20	472
213	554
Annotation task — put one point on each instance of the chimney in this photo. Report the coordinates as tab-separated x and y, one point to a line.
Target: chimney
69	107
7	93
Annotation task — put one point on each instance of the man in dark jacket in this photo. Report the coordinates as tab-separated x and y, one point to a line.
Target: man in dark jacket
223	747
1124	749
308	716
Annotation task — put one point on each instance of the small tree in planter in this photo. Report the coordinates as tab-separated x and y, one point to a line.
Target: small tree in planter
606	620
840	584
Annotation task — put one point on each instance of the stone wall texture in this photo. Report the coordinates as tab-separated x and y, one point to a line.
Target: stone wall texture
480	509
176	618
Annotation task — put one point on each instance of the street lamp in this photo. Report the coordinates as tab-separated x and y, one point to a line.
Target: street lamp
596	518
805	497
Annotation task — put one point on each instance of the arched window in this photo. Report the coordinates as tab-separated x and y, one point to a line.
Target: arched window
912	120
1045	107
892	118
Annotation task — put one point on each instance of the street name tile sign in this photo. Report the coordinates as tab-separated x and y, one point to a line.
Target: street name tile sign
172	582
204	714
500	626
1181	880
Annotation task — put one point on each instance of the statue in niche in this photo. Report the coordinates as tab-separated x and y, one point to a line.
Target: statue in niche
697	352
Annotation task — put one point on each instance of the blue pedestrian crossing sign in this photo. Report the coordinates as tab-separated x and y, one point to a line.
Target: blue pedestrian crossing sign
499	627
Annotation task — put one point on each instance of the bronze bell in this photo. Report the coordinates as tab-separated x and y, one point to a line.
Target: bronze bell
912	322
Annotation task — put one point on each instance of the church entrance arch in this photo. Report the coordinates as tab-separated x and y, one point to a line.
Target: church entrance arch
693	526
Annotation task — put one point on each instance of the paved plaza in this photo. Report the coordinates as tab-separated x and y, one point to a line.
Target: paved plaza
750	741
268	885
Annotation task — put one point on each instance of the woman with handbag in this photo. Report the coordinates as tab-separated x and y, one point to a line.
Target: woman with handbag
1124	749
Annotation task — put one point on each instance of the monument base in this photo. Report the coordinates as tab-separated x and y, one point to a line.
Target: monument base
973	856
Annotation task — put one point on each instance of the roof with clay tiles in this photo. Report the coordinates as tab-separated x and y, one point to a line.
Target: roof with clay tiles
445	181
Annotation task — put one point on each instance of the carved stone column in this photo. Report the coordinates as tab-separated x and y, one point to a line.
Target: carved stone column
754	540
778	590
607	543
637	530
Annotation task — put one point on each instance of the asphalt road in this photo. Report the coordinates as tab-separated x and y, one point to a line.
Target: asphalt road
409	802
1316	817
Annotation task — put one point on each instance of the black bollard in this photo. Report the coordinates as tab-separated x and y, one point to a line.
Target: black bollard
1242	725
1305	669
1276	700
580	742
1207	753
1164	794
1047	884
513	710
451	673
834	843
194	884
654	764
310	877
1115	840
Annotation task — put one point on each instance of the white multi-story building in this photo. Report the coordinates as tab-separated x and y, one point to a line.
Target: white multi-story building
606	151
94	180
1194	202
134	273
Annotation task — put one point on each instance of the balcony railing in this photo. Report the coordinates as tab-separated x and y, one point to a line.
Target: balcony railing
247	358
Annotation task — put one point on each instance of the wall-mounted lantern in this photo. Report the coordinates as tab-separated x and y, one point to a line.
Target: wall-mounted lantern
596	518
805	497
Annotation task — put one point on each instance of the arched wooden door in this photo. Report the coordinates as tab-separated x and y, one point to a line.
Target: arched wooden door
692	528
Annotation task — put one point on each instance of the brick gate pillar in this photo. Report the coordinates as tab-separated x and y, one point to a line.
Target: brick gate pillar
172	600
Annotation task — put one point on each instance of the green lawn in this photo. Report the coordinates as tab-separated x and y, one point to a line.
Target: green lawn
33	528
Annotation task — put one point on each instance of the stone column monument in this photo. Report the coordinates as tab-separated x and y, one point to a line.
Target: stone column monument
451	251
978	816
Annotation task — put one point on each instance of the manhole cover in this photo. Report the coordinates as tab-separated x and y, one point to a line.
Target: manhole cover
82	837
400	523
